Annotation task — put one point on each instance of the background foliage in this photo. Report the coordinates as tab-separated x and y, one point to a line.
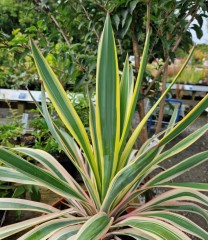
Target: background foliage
68	31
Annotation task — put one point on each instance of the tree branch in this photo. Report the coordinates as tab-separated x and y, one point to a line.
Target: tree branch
88	17
60	30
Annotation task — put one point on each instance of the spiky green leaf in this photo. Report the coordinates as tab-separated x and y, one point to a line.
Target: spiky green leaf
95	227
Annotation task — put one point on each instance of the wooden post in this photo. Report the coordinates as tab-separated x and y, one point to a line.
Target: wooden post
193	95
20	108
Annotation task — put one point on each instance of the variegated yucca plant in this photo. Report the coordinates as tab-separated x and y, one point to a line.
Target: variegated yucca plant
113	173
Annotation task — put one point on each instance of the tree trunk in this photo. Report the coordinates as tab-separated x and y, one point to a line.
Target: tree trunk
140	106
162	104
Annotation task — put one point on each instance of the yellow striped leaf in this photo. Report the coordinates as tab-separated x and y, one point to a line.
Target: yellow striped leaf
138	129
63	106
157	227
180	222
132	104
107	105
95	227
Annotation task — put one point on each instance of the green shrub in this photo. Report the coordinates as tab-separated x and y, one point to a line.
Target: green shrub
191	75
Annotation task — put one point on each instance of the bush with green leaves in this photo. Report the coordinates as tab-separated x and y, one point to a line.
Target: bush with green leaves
42	137
9	133
191	76
113	172
11	128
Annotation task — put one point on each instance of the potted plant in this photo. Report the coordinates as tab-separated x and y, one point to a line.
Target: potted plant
113	173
